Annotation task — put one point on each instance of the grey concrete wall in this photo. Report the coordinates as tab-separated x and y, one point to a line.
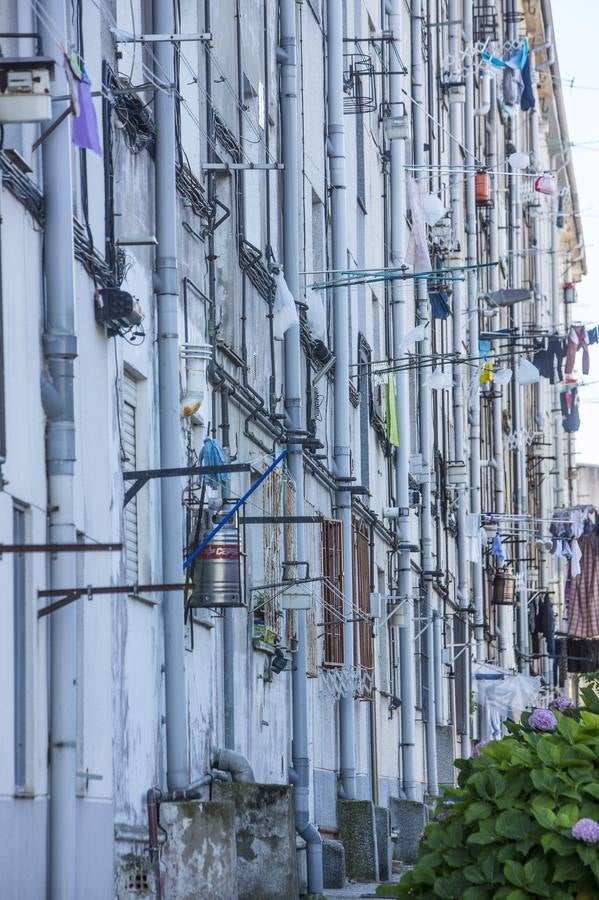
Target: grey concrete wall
199	857
325	798
357	829
265	839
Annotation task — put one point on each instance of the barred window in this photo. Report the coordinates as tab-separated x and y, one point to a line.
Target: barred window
363	639
332	592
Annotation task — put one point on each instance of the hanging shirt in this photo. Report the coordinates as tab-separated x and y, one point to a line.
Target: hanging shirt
583	606
570	413
576	557
577	338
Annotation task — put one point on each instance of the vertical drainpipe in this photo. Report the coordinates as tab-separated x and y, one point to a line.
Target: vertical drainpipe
293	408
167	293
462	618
228	648
504	613
425	413
541	386
472	287
399	291
556	326
341	452
60	350
515	268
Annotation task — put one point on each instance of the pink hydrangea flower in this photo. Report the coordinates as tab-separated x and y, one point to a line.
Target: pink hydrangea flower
561	704
543	720
586	830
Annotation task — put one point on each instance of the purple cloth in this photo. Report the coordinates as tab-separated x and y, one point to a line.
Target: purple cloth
85	126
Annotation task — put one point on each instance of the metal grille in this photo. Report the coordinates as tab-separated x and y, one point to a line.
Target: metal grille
332	592
363	639
130	464
358	84
272	537
290	547
313	550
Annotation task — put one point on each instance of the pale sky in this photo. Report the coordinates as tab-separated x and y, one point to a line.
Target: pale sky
576	30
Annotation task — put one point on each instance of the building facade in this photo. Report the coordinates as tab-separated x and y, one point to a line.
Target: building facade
327	228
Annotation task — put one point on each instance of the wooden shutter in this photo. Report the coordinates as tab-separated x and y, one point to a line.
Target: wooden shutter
129	437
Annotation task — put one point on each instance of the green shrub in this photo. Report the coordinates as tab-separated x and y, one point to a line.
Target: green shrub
512	829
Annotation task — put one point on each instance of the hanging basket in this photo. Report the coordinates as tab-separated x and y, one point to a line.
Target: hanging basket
482	189
504	588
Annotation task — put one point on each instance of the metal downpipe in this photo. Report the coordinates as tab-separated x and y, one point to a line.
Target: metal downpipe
462	618
515	270
293	408
473	331
341	453
399	298
60	350
171	456
425	415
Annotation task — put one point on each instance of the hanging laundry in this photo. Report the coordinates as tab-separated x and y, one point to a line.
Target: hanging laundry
545	184
577	338
583	606
497	550
391	410
484	349
570	412
593	334
474	538
516	60
576	554
527	100
84	131
549	356
559	219
212	454
439	301
487	374
418	246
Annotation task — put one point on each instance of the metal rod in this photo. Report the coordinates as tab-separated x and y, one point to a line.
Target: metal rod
341	418
171	444
231	513
57	548
425	416
300	747
400	291
60	350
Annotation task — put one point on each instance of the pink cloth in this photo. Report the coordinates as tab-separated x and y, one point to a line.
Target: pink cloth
577	337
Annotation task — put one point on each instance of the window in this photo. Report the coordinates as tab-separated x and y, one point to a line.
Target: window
363	640
129	439
20	652
332	592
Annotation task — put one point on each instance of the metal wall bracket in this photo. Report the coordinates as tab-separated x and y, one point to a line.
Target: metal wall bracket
141	476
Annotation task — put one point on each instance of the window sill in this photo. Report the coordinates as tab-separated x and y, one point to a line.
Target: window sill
263	646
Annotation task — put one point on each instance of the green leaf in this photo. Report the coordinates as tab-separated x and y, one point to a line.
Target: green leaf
514	825
517	895
515	874
558	843
592	789
477	810
389	890
568	815
568	728
545	817
568	869
536	869
481	838
549	751
457	857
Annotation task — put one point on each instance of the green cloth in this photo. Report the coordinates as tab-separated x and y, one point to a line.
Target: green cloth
391	402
